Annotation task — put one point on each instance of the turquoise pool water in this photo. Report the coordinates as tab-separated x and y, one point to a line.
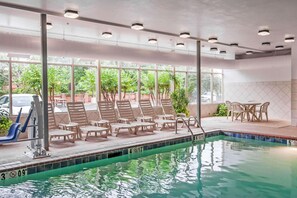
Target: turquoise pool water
223	167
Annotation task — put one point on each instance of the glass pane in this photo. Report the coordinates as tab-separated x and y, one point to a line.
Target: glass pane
58	59
129	86
180	68
164	79
3	56
85	86
206	69
59	86
129	65
4	86
205	88
165	67
217	71
192	87
109	84
181	79
106	63
148	66
217	88
148	86
84	61
26	82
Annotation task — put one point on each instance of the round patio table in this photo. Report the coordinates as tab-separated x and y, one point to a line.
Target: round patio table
250	110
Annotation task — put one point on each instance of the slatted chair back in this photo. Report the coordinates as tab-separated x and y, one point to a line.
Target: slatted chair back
51	117
125	110
228	104
237	107
147	108
167	106
77	113
264	107
107	111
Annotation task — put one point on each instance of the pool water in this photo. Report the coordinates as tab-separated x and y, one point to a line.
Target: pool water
222	167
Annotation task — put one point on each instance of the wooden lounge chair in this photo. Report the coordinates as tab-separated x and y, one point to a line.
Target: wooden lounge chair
148	113
55	131
77	114
126	112
107	112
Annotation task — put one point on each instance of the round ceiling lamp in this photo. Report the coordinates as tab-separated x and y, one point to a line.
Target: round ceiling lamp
49	25
184	35
278	47
264	32
266	43
213	40
137	26
249	52
152	41
180	45
213	49
234	44
106	34
290	39
223	52
71	14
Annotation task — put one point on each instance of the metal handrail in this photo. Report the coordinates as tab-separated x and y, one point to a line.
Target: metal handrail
187	123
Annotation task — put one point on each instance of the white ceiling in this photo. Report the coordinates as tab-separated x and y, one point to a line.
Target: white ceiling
229	20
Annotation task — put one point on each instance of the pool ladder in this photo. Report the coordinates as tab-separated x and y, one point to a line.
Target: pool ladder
187	123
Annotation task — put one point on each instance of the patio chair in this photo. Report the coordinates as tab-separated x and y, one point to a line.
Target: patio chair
77	114
237	110
148	113
229	108
263	109
107	112
126	112
55	131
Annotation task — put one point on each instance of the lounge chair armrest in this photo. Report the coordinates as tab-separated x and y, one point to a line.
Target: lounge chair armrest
145	118
123	120
99	122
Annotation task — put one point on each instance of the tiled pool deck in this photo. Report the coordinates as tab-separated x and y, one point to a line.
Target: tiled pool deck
66	154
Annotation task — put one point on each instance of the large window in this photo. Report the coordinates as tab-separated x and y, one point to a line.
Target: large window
148	85
4	78
129	81
109	84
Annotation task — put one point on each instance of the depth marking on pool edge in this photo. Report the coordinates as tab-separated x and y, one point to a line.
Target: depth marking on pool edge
137	149
13	174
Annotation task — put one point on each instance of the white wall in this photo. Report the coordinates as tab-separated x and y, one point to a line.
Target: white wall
261	79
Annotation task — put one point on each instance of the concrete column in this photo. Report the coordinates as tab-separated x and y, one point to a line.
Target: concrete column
294	85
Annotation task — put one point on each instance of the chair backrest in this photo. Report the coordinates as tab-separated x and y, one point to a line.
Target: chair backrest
51	117
264	107
125	110
167	106
77	113
107	111
228	104
236	106
147	108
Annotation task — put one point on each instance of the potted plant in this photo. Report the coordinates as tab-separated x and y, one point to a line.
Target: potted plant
180	101
5	122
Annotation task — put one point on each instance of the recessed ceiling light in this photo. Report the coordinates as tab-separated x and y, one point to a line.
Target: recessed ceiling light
279	47
180	45
137	26
290	39
223	52
266	43
213	49
106	34
49	25
264	32
152	41
213	40
184	35
71	14
234	44
249	52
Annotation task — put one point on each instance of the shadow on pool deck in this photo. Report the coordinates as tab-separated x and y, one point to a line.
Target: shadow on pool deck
15	152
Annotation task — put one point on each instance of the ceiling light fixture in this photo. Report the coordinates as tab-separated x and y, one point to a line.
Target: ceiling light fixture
266	43
213	49
223	52
234	44
152	41
264	32
180	45
106	34
137	26
73	14
184	35
279	47
249	52
49	25
213	40
290	39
